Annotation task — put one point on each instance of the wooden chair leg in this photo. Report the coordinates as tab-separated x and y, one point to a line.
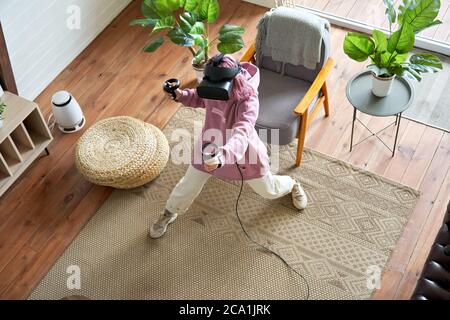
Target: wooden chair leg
326	101
301	137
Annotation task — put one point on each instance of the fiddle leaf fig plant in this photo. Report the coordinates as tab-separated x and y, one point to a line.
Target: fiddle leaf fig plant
389	52
186	23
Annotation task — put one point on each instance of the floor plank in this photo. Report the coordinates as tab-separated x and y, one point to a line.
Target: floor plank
430	227
424	153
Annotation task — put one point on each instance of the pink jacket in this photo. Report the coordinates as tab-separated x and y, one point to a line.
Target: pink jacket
242	144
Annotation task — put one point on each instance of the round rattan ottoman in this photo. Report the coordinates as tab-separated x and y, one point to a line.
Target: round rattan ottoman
121	152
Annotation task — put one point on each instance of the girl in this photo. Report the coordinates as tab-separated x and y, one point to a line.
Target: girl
243	146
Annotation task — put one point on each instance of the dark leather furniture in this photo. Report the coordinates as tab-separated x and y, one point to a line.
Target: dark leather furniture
434	282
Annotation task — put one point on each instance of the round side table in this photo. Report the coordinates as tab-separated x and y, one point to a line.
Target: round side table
360	96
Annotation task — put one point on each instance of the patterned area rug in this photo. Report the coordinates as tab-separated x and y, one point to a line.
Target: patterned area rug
351	225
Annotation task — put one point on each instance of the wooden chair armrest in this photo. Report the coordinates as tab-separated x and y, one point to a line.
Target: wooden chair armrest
315	87
250	53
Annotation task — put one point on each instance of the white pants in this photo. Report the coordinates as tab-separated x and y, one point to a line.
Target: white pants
189	187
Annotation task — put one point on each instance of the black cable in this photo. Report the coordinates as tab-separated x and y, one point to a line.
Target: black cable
260	245
212	155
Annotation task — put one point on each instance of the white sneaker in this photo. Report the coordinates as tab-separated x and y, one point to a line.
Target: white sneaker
158	229
299	198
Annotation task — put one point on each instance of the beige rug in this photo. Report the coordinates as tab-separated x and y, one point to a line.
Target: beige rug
352	223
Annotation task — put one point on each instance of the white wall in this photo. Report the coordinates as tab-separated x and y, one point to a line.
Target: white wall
39	42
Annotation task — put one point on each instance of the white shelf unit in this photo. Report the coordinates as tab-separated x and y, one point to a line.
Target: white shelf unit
23	137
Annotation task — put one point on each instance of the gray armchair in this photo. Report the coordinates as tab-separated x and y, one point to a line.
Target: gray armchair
290	102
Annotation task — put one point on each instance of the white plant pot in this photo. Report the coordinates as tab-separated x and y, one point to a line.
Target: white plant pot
198	73
1	123
381	87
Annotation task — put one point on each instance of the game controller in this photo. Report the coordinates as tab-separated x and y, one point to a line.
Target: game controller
171	86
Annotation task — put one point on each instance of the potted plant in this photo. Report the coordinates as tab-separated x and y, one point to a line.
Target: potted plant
389	52
2	112
186	23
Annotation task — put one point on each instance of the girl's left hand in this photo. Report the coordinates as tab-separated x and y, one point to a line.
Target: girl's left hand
212	164
211	168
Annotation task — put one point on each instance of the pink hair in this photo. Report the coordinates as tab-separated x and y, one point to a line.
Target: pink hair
242	89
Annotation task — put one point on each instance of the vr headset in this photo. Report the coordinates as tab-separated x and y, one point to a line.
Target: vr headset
217	82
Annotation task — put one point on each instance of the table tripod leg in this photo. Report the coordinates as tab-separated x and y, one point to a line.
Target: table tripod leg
353	128
399	117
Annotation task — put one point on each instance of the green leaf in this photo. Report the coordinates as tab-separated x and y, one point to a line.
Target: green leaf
164	23
401	40
3	108
230	47
376	59
420	69
405	5
191	5
209	10
380	40
410	73
197	32
147	22
400	58
172	4
396	69
187	21
433	23
419	14
381	58
231	28
430	62
385	57
154	45
149	10
230	32
198	39
198	28
358	46
390	12
179	37
230	38
200	56
166	7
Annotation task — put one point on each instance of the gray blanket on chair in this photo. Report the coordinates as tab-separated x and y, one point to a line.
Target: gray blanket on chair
291	36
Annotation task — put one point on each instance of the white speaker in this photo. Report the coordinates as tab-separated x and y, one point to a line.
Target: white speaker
67	112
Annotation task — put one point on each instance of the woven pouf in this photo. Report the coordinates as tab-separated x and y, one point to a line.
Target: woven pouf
121	152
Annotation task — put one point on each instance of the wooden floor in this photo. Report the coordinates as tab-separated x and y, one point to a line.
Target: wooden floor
47	207
371	12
